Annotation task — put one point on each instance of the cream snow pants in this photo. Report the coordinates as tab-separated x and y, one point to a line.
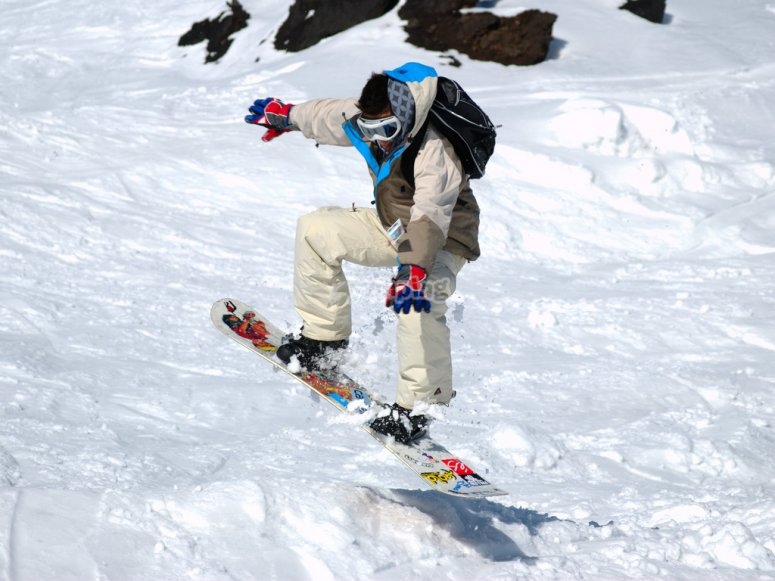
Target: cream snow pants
327	237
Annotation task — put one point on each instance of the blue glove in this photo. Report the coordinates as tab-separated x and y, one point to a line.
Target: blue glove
272	114
408	290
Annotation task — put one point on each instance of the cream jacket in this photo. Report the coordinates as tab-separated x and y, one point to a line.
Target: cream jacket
440	211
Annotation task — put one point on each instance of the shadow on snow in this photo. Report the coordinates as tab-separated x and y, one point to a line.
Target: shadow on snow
471	521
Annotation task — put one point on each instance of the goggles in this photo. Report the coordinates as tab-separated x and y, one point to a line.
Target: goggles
383	129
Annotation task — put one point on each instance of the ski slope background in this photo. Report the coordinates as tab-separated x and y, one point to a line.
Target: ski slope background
614	346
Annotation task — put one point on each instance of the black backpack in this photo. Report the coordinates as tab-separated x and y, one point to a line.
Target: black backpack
463	122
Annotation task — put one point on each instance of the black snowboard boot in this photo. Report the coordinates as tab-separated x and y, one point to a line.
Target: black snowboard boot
313	355
399	422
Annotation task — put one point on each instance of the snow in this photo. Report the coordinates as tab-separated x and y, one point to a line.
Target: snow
614	346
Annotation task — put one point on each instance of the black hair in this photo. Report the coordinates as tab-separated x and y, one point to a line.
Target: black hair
374	97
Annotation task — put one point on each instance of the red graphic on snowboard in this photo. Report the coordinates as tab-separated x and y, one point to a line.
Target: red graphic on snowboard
457	467
248	327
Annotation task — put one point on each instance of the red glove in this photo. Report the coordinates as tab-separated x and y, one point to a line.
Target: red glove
272	114
408	290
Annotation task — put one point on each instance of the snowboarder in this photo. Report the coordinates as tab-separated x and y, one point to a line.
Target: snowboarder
427	225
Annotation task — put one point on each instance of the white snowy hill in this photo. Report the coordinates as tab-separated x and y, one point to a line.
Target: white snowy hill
614	346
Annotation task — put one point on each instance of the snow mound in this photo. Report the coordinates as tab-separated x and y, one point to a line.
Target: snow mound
623	130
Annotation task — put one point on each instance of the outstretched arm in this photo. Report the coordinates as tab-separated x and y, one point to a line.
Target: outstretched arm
322	119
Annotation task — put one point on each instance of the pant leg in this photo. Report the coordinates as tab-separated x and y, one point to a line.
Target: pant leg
324	239
424	357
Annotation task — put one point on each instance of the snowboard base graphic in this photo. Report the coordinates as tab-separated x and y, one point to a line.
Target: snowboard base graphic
439	468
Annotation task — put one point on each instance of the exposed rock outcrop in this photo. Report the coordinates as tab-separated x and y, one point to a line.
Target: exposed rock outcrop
653	10
310	21
515	40
217	31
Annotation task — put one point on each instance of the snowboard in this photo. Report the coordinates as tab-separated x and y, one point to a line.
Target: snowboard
439	468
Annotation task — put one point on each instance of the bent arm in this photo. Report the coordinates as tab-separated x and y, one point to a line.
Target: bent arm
438	180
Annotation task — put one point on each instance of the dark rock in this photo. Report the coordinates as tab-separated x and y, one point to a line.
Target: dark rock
653	10
217	32
437	25
517	40
310	21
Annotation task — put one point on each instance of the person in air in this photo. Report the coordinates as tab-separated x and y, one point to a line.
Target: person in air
424	220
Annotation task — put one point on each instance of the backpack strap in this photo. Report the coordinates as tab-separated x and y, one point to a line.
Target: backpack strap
410	153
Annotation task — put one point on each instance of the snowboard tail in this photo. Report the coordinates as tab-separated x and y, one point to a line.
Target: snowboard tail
433	463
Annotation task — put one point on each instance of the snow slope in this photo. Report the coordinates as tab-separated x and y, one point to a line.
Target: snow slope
614	346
